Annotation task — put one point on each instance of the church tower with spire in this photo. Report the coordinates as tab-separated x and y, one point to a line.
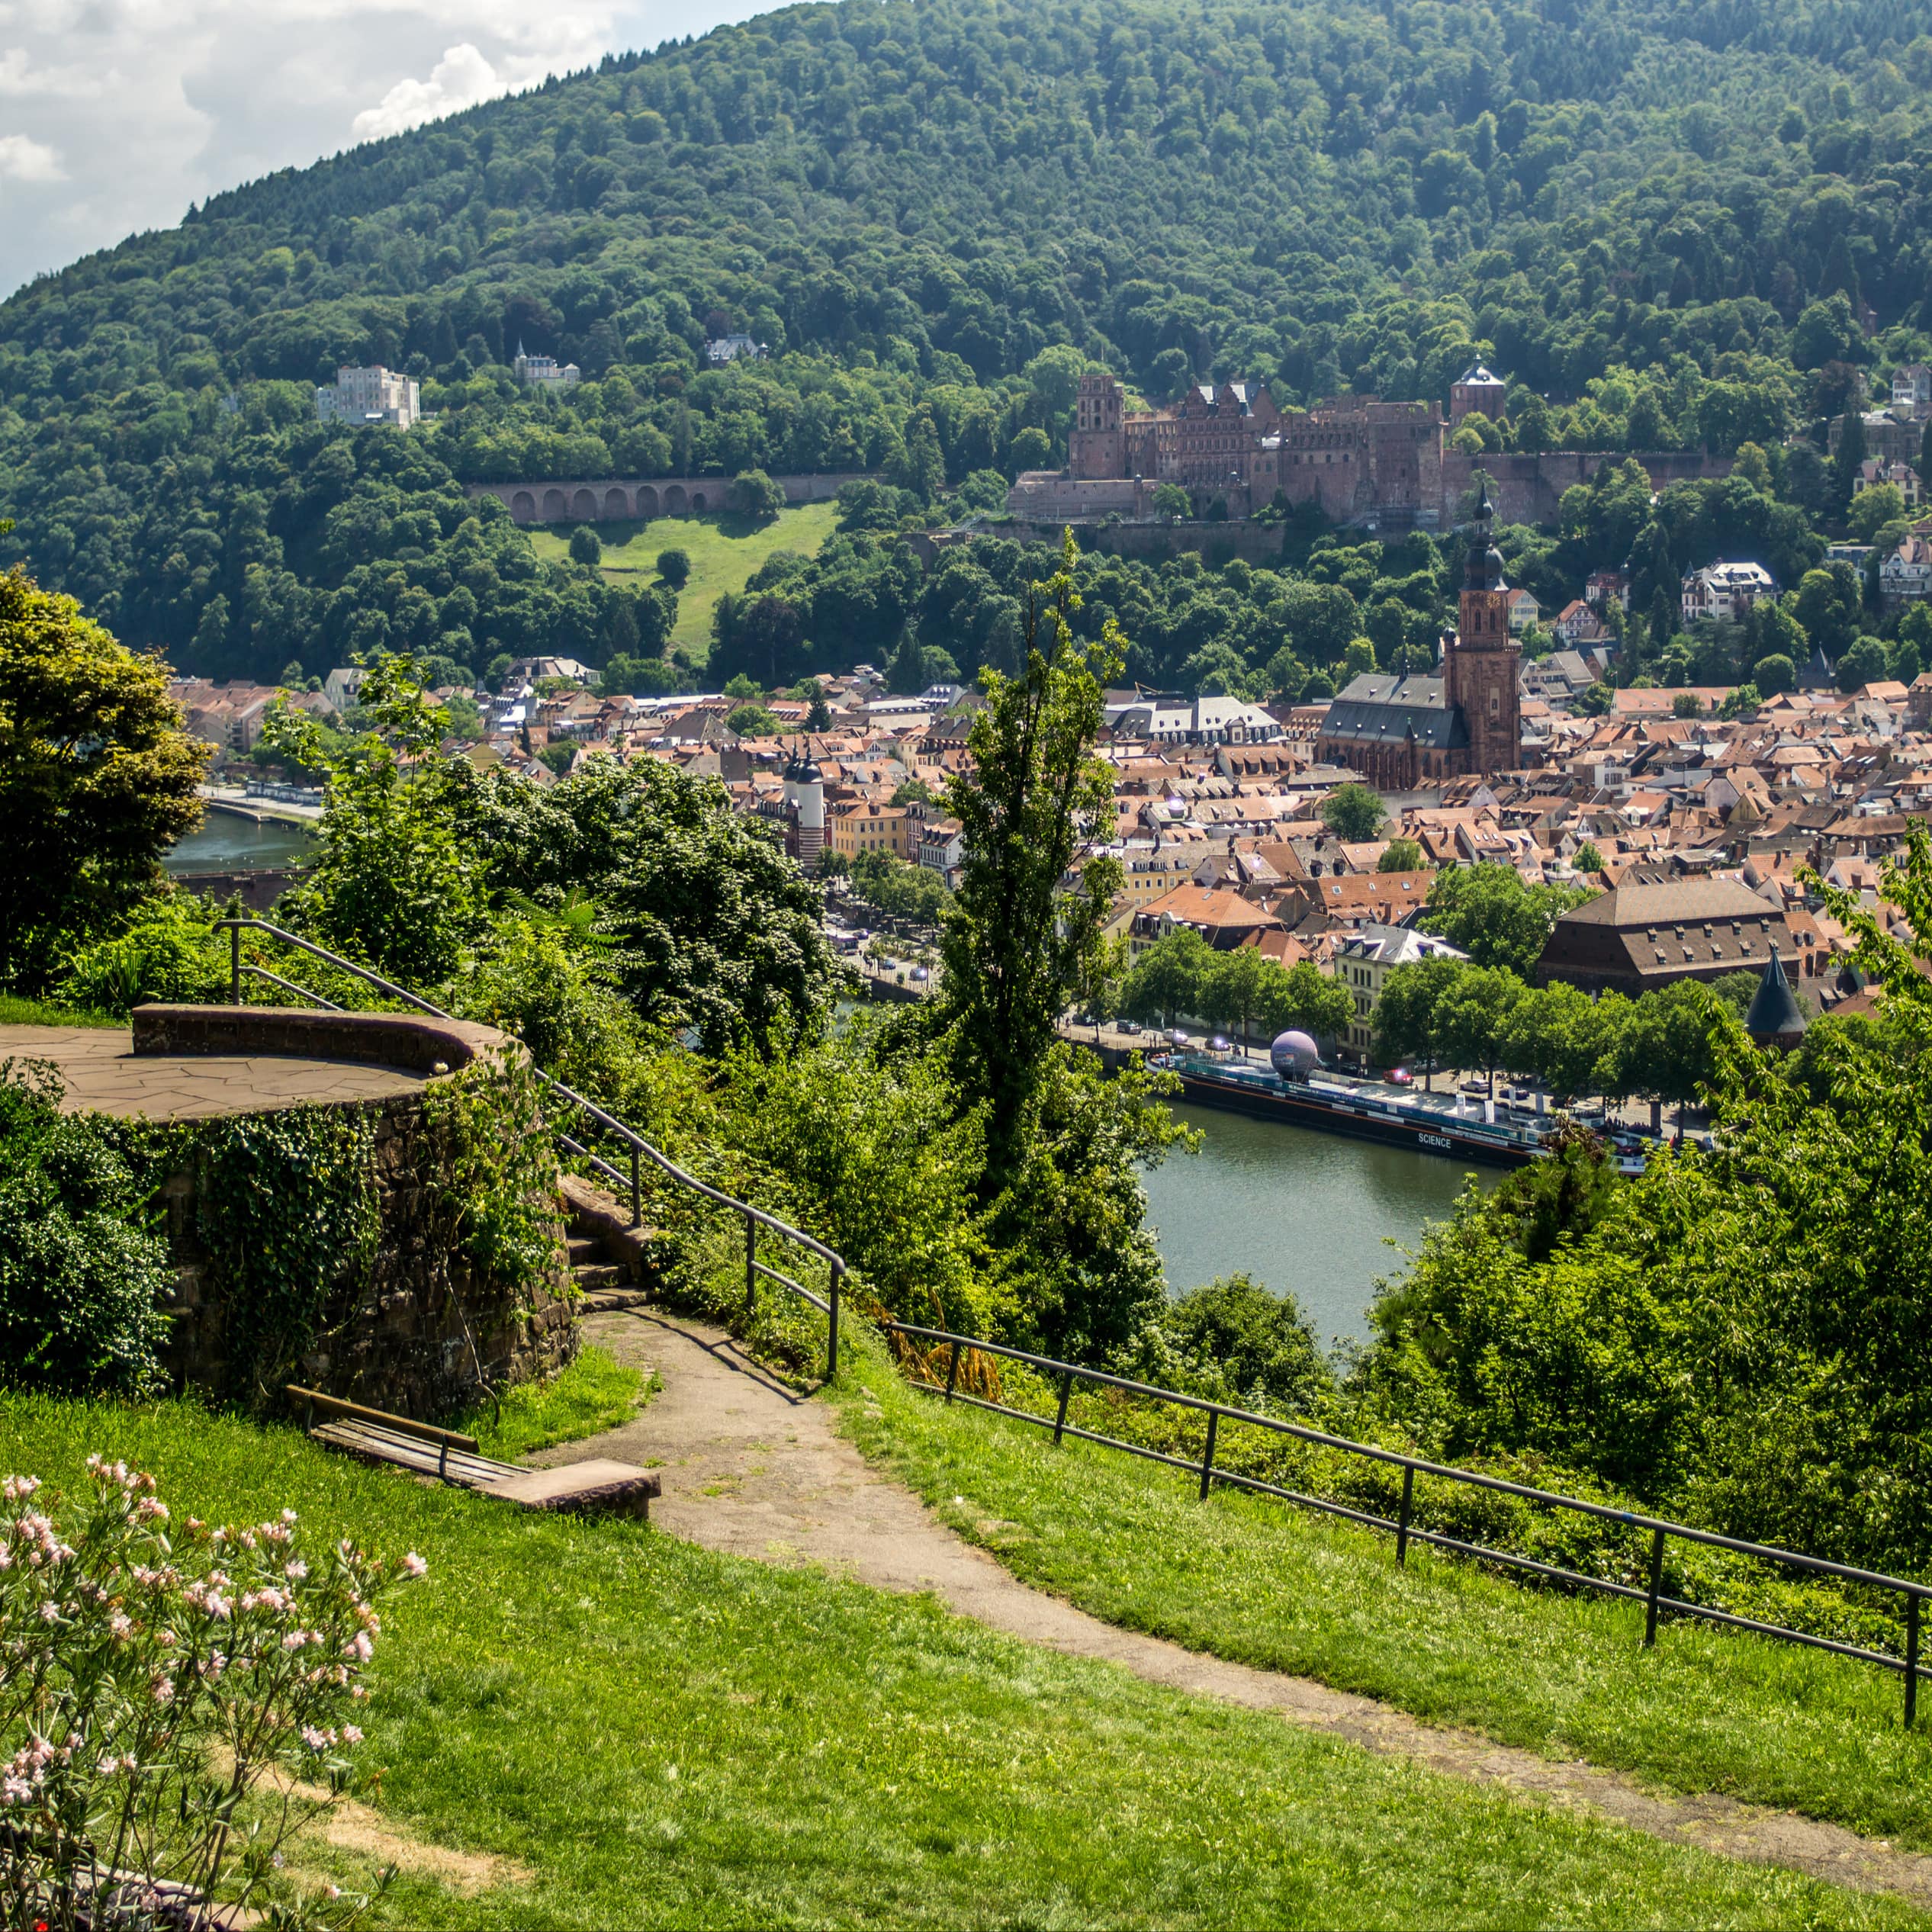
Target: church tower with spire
1481	665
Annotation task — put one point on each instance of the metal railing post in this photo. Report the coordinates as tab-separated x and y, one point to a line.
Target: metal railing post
1207	1459
1911	1657
1408	1505
952	1372
750	1261
234	966
637	1193
831	1331
1656	1584
1060	1419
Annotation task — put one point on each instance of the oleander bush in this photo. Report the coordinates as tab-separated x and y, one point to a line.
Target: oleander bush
175	1704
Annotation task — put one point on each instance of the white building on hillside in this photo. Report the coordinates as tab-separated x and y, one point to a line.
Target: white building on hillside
1725	590
544	371
722	349
371	395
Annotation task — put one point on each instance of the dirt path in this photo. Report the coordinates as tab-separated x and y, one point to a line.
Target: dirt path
752	1467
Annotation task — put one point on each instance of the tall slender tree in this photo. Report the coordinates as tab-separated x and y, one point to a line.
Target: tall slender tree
1024	933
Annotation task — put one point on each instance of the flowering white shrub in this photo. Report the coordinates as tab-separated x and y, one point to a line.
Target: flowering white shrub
172	1706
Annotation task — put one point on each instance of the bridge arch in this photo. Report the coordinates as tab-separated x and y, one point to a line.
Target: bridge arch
646	501
616	505
523	507
697	502
555	507
675	502
584	505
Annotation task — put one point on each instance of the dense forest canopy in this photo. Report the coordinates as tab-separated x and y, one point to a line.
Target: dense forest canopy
1687	223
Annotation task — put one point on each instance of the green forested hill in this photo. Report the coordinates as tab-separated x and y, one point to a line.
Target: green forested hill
1671	215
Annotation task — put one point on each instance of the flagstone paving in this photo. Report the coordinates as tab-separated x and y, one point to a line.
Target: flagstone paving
101	1073
754	1468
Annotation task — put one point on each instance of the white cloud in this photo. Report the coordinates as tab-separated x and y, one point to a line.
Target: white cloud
123	112
460	79
23	158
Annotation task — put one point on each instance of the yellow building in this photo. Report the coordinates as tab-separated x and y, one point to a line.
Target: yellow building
856	825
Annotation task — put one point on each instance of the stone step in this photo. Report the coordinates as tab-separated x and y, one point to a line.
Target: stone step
602	1275
608	1301
583	1248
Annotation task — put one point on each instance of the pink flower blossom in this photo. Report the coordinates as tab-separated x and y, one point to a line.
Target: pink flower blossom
414	1565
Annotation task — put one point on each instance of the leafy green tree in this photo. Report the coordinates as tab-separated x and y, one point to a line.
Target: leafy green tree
1238	990
1740	702
712	926
98	779
1588	858
586	546
1489	912
1304	996
394	885
754	494
674	567
1238	1342
1871	509
745	690
1170	501
1773	674
1354	812
1406	1011
1169	980
1557	1034
1402	855
1863	664
753	721
1016	947
1474	1016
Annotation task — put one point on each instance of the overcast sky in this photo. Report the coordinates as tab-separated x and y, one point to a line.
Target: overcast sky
116	115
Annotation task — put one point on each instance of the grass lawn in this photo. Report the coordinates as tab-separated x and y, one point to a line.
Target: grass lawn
663	1736
595	1391
37	1013
723	549
1262	1583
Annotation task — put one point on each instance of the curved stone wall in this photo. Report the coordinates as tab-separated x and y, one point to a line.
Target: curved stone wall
426	1326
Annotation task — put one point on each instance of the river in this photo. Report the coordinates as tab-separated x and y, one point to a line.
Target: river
1296	1210
225	842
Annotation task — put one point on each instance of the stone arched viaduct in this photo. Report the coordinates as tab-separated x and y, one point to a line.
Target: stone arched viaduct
618	499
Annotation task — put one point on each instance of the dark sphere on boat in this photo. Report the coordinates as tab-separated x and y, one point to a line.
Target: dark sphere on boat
1294	1052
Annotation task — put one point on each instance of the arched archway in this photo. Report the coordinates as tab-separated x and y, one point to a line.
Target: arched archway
646	501
555	508
584	505
616	504
676	503
523	507
697	502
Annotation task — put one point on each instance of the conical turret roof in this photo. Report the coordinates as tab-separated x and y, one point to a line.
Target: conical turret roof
1775	1018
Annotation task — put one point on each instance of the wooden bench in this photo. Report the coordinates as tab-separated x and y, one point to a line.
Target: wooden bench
447	1457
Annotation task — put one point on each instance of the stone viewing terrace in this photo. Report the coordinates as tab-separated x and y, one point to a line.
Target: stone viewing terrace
196	1062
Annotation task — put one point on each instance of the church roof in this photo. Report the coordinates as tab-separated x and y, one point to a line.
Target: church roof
1477	373
1376	708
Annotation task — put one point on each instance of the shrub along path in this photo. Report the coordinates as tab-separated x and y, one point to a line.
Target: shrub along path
752	1468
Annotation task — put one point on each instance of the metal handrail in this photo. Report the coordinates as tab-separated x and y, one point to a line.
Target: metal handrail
1661	1528
754	1217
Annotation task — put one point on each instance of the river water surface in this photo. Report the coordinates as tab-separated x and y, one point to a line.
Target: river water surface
225	842
1296	1210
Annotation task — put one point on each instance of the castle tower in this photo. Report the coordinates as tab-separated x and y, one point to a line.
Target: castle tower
1477	390
1095	447
1480	666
